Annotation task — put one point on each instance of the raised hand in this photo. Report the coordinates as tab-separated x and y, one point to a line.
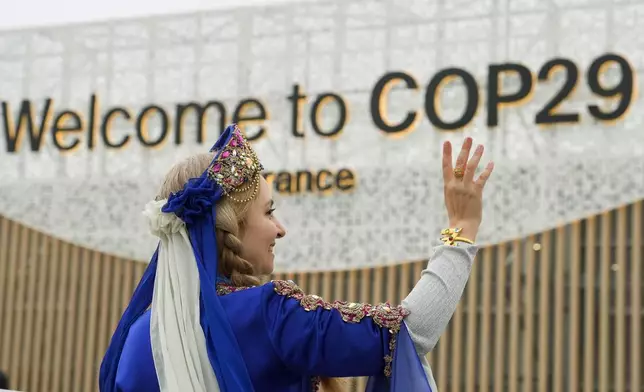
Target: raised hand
463	193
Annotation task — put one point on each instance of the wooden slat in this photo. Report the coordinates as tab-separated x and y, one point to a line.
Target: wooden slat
543	361
604	302
636	361
404	286
303	282
559	302
7	322
486	322
338	289
93	315
378	293
352	295
115	301
589	308
31	265
128	285
471	341
83	317
365	289
4	276
326	287
528	319
61	300
515	312
104	326
71	326
38	348
620	269
18	318
574	309
315	283
500	340
53	282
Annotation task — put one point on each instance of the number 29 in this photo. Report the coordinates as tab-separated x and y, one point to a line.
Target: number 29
623	91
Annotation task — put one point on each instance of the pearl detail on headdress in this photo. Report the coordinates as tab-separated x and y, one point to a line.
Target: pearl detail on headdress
236	168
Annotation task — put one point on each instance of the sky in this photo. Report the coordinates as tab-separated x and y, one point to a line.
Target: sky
19	14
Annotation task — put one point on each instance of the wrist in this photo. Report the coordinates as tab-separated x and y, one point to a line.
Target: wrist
469	229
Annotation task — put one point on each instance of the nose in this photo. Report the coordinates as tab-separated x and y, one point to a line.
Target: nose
281	231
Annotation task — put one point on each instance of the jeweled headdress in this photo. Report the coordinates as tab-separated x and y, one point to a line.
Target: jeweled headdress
236	168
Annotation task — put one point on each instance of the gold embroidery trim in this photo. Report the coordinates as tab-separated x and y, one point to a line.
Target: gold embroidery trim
225	289
383	315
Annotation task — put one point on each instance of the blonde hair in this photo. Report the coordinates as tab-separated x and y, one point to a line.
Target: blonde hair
229	228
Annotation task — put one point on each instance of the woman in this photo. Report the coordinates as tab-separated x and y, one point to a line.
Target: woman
200	320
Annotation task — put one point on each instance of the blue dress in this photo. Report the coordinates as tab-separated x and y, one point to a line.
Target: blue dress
289	339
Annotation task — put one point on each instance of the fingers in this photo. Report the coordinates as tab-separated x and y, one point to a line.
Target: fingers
448	172
461	161
465	163
480	182
473	164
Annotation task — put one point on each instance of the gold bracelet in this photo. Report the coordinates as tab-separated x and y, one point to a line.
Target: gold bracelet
451	236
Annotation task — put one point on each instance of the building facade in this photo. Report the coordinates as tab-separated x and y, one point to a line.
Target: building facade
347	104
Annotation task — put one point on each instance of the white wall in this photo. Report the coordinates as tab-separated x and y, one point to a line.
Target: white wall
545	175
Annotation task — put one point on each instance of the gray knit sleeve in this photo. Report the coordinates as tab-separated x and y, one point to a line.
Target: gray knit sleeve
433	300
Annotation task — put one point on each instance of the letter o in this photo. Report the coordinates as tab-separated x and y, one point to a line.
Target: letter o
433	89
321	101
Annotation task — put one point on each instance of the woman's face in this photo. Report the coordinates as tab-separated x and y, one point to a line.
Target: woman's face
261	229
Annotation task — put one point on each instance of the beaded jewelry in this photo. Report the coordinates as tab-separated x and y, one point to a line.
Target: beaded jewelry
236	168
451	236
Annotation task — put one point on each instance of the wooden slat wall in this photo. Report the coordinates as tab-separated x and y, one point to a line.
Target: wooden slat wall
558	311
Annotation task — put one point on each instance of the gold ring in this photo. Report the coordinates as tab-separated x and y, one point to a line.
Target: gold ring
459	172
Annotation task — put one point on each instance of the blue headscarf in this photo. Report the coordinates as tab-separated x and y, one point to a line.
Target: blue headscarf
194	205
